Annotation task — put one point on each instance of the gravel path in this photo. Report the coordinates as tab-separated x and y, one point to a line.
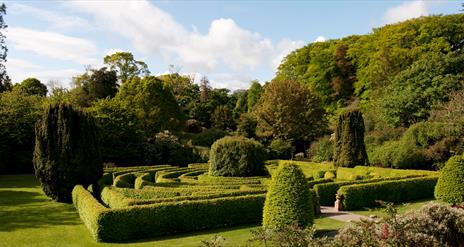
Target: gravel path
340	215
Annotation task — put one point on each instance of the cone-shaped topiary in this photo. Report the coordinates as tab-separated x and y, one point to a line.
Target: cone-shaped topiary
288	200
66	151
349	148
236	156
450	185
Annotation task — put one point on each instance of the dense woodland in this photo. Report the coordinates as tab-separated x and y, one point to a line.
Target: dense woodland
407	79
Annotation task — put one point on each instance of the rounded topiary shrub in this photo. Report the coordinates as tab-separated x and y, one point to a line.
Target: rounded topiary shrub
66	151
236	157
288	200
450	185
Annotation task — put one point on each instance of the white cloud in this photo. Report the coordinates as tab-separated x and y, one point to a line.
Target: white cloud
53	45
56	20
406	10
19	63
19	70
225	46
320	39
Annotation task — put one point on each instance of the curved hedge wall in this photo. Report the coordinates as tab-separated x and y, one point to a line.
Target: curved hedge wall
450	185
236	157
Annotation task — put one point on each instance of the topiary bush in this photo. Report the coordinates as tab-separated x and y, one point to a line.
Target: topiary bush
288	200
450	185
66	151
349	148
237	157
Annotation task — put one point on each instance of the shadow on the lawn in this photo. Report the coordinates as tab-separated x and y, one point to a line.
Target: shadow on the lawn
21	209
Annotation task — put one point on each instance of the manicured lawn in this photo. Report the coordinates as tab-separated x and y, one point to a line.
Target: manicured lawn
402	208
29	218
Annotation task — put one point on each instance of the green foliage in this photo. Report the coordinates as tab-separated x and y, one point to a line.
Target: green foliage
33	86
392	54
365	195
432	225
165	148
66	151
18	114
247	125
450	185
206	138
413	91
126	66
289	110
280	149
321	150
422	145
288	200
120	132
349	148
152	102
254	94
236	156
113	225
222	118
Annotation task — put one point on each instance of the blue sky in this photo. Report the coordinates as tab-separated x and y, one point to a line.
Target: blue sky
230	42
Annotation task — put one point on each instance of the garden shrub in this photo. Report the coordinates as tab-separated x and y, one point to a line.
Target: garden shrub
288	200
450	185
432	225
349	148
329	174
281	149
125	180
327	191
321	150
358	196
236	156
66	151
114	225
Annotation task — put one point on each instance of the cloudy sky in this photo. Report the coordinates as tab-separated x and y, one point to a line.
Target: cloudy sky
231	42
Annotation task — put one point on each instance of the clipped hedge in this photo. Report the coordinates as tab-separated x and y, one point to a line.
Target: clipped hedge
90	210
237	157
126	180
450	185
327	191
115	225
359	196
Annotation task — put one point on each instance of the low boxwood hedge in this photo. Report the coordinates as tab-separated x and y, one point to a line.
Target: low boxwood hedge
328	191
405	190
115	225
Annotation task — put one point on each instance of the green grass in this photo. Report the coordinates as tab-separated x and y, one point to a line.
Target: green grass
402	208
29	218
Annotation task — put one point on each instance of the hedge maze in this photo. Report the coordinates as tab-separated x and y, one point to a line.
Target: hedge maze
149	201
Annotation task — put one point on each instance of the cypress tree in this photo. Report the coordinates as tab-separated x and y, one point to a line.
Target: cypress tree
66	151
349	149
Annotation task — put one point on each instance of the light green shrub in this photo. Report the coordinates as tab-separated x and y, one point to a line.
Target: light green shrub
450	185
288	200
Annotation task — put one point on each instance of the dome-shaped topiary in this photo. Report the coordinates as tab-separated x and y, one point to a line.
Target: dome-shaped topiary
450	185
236	157
288	200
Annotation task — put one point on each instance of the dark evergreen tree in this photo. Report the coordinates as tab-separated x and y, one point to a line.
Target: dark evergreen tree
349	148
66	151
